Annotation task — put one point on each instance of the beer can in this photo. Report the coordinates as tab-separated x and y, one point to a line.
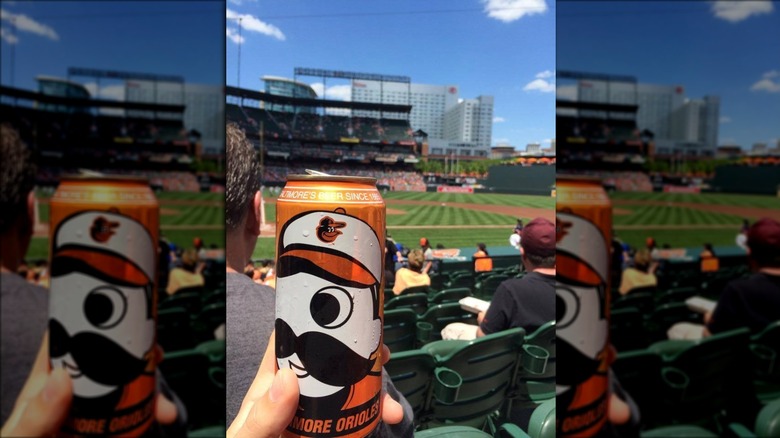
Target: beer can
103	248
583	235
329	301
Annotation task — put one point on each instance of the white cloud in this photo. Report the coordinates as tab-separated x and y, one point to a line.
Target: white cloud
8	36
233	35
335	92
511	10
768	83
23	23
540	85
253	24
545	74
725	119
736	11
499	120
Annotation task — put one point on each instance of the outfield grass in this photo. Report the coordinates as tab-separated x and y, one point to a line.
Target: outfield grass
426	220
759	201
180	224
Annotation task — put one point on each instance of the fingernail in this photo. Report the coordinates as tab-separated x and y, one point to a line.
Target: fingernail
277	388
53	383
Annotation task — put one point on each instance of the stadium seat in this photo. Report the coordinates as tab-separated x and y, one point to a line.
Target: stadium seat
765	347
642	301
173	329
487	366
207	320
461	280
438	280
452	431
768	420
412	374
542	424
532	387
439	315
698	378
189	301
415	290
679	431
626	329
400	327
675	295
208	432
214	349
449	295
639	373
214	297
487	287
188	374
663	317
417	302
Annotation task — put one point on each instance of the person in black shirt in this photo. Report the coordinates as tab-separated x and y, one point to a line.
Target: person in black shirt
527	302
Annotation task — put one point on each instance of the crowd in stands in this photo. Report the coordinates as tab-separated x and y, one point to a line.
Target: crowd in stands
174	181
395	179
622	181
305	126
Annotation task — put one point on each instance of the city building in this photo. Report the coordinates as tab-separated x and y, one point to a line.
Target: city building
279	86
204	107
53	86
454	126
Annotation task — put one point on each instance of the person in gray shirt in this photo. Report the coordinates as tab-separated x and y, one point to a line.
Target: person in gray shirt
260	400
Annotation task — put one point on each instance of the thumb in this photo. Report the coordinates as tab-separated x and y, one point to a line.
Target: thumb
44	413
269	415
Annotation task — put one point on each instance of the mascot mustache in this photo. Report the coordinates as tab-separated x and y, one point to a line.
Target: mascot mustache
325	358
99	358
578	366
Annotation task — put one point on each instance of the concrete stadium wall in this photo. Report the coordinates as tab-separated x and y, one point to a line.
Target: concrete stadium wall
762	180
534	180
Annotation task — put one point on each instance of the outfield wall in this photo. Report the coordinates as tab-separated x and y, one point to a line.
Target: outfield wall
762	180
533	180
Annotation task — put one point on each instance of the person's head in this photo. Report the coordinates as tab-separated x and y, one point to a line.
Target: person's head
17	174
650	243
642	259
242	196
708	247
538	243
764	243
424	243
416	259
197	243
482	247
189	259
249	270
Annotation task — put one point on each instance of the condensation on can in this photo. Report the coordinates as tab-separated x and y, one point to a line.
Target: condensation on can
103	241
329	301
583	229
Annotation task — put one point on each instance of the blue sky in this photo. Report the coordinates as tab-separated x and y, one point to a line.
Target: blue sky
171	38
503	48
728	49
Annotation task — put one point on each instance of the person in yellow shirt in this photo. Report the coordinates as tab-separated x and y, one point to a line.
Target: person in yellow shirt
189	275
641	275
413	275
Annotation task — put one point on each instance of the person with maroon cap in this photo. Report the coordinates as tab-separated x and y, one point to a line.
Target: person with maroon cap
527	302
752	302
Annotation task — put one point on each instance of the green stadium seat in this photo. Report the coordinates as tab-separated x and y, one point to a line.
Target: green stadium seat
208	432
214	349
189	301
665	316
532	387
207	321
487	287
765	347
400	328
642	301
627	329
461	280
768	420
675	295
412	374
449	295
542	424
487	366
188	373
679	431
438	280
639	373
452	431
417	302
173	329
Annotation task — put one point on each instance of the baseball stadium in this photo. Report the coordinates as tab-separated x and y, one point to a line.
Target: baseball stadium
683	222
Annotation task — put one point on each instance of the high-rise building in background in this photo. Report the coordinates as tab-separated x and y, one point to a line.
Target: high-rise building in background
204	107
455	126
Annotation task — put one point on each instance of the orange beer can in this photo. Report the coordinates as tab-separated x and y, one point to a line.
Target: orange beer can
583	230
103	246
329	301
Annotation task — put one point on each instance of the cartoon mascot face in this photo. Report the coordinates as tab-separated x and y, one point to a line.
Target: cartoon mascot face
101	319
328	327
581	323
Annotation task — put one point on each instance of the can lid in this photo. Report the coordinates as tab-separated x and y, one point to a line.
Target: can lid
315	175
92	175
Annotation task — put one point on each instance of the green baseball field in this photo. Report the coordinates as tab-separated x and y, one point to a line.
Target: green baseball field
183	216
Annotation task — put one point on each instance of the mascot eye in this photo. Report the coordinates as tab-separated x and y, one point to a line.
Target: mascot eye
331	307
105	307
567	306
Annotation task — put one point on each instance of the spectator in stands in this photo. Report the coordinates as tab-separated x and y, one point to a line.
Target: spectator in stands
514	239
35	399
390	256
428	267
707	252
742	238
482	260
527	302
652	248
270	398
249	270
642	274
754	301
189	275
413	275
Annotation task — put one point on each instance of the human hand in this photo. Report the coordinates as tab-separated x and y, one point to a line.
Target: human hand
272	400
480	317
